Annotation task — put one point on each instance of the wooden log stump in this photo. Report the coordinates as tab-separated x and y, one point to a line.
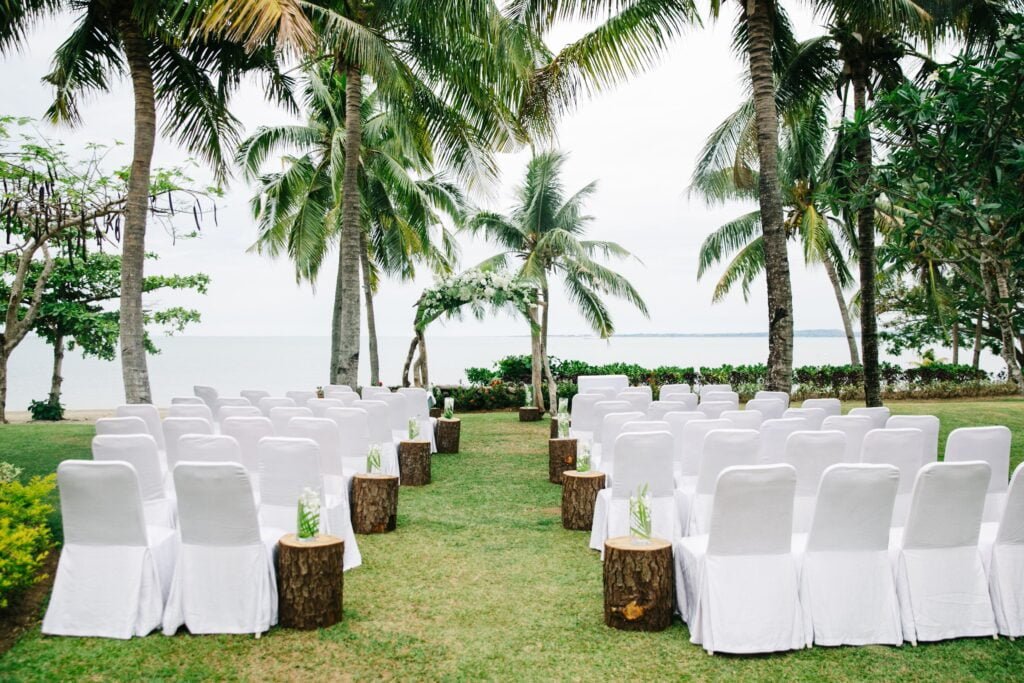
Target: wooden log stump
554	428
436	412
447	435
310	581
638	587
529	414
561	457
579	493
374	503
414	462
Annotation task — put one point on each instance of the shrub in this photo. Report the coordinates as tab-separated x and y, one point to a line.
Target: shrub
25	538
50	411
480	375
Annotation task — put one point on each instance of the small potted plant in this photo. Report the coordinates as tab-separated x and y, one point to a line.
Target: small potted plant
320	392
449	428
528	412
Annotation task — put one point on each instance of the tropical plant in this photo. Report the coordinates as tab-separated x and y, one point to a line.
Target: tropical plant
544	231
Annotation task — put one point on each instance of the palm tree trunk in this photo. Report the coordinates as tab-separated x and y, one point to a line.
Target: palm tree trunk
759	17
552	387
345	332
955	335
844	311
866	247
976	359
371	319
133	241
56	379
535	361
998	296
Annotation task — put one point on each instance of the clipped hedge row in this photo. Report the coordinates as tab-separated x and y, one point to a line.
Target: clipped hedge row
25	537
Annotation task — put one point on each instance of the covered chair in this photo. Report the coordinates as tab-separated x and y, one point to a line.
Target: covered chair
268	403
614	382
371	393
901	448
207	394
929	426
378	417
689	400
657	409
846	582
637	400
300	397
878	415
831	406
611	427
677	421
855	427
338	387
253	396
602	408
582	415
705	388
713	409
681	388
771	408
139	451
224	412
810	454
114	570
325	432
121	425
719	396
150	415
229	402
991	444
940	579
687	467
187	410
737	587
722	449
774	434
248	431
280	416
347	398
814	416
187	400
354	444
287	468
777	395
744	419
224	581
209	448
1002	548
646	461
177	427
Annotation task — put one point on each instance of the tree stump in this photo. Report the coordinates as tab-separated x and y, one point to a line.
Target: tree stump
310	581
447	435
436	412
638	587
414	462
374	503
529	414
561	457
579	493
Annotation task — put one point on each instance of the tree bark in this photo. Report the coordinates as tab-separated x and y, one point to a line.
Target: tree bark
3	381
310	581
57	378
545	357
414	462
638	584
998	297
447	435
976	359
759	18
579	493
133	242
955	337
561	458
844	311
345	332
866	246
408	360
424	374
536	361
374	503
371	319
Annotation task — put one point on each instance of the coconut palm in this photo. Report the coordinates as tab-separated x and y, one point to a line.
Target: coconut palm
544	232
189	75
298	209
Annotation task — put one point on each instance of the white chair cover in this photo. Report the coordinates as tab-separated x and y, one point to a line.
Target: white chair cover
602	408
723	396
371	393
644	389
879	415
121	425
611	427
723	448
636	400
617	383
177	427
771	408
676	422
737	586
814	416
354	427
831	406
901	448
187	400
744	419
419	401
338	387
114	572
319	406
692	438
582	415
186	410
379	420
150	415
647	460
209	448
991	444
855	427
253	396
139	451
224	412
846	584
325	433
282	415
208	394
774	434
688	400
288	467
940	579
713	409
704	388
268	403
681	388
657	409
224	581
810	454
1003	551
929	426
248	431
300	397
401	410
229	402
347	398
777	395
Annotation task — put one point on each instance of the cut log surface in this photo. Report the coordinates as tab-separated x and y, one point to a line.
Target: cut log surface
579	493
414	462
374	503
310	581
529	414
447	435
638	586
561	457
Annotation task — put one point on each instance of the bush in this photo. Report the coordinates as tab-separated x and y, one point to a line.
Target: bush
25	537
50	411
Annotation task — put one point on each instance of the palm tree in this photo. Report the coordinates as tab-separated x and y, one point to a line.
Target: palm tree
171	64
544	231
446	63
402	200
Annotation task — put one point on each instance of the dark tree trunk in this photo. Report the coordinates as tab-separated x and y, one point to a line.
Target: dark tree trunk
3	379
976	359
371	319
536	359
310	581
844	311
421	362
408	360
345	332
374	503
58	361
638	586
133	241
955	337
997	292
759	18
579	494
414	462
544	354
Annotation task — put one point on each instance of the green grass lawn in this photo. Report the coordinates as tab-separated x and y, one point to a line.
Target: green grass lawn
480	581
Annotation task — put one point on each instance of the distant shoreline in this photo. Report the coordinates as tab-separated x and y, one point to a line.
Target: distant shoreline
809	334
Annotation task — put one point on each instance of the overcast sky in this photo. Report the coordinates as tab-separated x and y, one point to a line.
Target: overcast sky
638	141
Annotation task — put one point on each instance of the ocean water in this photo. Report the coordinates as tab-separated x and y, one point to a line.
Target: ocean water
279	364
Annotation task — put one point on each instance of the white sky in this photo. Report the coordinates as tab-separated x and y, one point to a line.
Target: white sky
639	141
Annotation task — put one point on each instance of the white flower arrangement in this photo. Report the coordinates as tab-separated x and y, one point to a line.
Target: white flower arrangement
527	396
474	287
449	408
309	515
583	456
8	472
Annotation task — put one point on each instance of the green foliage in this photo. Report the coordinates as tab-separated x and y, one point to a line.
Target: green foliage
48	410
25	537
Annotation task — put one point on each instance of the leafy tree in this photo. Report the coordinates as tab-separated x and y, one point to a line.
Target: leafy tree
544	232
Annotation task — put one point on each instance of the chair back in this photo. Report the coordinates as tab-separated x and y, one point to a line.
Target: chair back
676	422
744	419
713	409
616	383
777	395
649	462
657	409
991	444
398	410
582	411
324	431
680	388
693	435
771	408
878	415
723	396
706	388
149	414
319	406
947	505
282	415
139	451
101	503
229	402
371	393
811	453
287	467
855	427
253	396
853	508
379	419
1011	525
689	400
724	448
224	412
187	400
338	387
186	410
215	504
354	437
209	448
929	426
121	425
752	511
347	398
419	401
773	437
636	400
247	431
268	403
901	448
831	406
814	416
177	427
611	427
602	408
301	396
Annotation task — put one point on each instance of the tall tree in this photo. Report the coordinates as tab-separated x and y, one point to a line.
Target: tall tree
190	75
544	231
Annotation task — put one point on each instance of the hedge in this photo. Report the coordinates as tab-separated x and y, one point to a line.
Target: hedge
25	537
